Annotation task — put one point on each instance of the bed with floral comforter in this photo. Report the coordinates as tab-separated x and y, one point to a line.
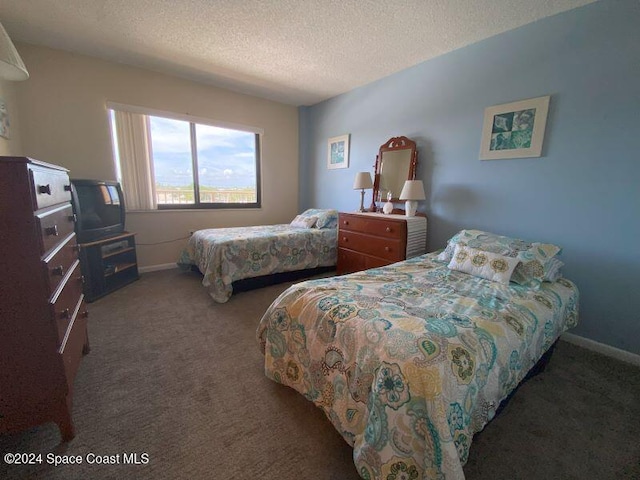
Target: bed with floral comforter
410	360
224	255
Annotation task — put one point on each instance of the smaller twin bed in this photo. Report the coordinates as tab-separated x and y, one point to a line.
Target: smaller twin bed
227	255
409	361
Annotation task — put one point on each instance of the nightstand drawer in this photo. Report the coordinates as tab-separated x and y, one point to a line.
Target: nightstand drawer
367	244
380	227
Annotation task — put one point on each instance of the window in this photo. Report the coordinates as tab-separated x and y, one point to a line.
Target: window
188	164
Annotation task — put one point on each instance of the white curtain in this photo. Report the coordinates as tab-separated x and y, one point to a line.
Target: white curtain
134	150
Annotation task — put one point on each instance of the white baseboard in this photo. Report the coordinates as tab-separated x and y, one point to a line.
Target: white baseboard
155	268
607	350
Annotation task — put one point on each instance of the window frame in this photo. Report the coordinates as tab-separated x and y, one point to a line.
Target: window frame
193	121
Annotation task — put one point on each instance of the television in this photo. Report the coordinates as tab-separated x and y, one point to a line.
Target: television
99	209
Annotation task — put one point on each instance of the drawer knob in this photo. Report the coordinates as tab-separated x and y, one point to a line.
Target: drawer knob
84	314
72	218
387	249
67	188
66	313
44	189
345	239
59	270
52	230
346	222
388	229
81	279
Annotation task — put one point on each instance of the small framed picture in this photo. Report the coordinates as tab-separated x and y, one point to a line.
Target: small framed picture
514	130
338	152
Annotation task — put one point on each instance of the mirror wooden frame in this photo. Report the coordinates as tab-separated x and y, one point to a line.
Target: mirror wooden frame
392	145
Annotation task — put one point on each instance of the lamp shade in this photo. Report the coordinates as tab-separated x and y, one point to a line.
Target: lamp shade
11	65
362	181
412	190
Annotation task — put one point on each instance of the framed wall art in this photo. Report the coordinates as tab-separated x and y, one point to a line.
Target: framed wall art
514	130
338	152
4	119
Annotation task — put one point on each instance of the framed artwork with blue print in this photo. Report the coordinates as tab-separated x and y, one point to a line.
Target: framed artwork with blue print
338	152
514	130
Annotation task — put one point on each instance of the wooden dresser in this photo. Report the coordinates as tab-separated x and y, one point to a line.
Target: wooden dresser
369	240
43	319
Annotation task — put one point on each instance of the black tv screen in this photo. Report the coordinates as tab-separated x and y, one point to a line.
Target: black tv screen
99	209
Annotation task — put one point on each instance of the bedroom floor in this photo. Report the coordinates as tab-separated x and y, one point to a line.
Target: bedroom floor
174	375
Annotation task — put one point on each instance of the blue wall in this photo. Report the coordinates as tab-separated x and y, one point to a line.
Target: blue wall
582	194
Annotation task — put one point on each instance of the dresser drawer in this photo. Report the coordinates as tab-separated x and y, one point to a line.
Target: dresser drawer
380	247
50	187
55	225
60	262
64	304
350	261
74	342
380	227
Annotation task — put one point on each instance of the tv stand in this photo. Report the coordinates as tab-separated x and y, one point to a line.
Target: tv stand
108	264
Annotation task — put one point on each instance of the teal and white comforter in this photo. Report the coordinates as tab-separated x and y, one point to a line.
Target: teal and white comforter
409	361
225	255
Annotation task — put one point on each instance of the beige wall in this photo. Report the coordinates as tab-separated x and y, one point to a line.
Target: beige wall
64	121
12	145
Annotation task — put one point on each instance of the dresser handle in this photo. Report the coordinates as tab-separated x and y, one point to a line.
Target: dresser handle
346	222
84	314
76	248
72	218
44	189
66	313
67	188
345	239
388	229
387	249
59	270
52	230
81	279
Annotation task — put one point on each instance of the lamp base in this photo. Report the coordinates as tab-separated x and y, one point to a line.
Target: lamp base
410	207
361	209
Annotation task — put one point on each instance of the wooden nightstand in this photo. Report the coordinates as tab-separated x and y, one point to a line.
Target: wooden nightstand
369	240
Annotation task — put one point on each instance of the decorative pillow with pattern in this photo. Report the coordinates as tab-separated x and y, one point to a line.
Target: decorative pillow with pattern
303	222
533	256
327	218
492	266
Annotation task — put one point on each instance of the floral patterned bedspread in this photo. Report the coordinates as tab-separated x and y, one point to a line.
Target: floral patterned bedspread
409	361
225	255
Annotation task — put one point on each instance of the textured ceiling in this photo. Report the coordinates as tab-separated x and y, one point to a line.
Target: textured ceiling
298	52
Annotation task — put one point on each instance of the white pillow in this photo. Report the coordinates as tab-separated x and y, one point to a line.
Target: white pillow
304	222
491	266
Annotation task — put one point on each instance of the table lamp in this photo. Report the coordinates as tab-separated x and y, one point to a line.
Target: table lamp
363	181
412	191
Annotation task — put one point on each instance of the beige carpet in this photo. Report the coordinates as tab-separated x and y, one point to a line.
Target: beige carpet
180	378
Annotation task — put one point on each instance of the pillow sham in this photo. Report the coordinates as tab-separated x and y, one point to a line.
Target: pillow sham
553	270
492	266
303	222
533	256
327	218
